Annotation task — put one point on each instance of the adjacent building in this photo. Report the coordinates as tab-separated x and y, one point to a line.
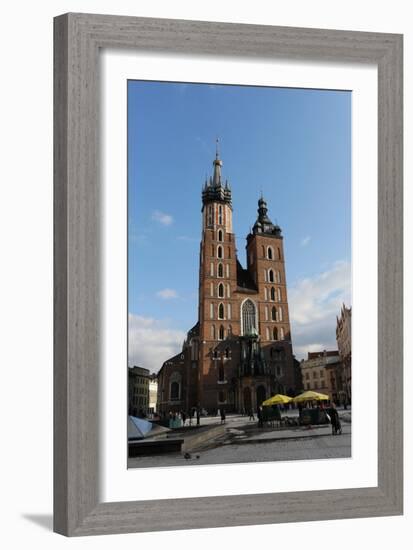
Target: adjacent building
239	352
343	336
316	371
138	390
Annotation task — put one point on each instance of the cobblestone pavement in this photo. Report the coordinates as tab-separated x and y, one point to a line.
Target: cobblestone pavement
309	445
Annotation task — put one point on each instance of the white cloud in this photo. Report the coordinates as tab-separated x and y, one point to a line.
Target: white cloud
305	241
161	217
314	303
167	293
152	342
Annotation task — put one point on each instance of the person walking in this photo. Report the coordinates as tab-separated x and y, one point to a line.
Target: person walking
251	415
222	415
335	420
260	417
198	416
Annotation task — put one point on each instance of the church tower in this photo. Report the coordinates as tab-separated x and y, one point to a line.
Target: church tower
217	285
266	265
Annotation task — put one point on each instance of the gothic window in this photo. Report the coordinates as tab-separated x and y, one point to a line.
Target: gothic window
220	214
212	269
221	333
228	271
278	277
265	275
280	314
279	294
266	313
265	293
175	387
221	290
272	294
220	270
275	333
228	291
249	317
221	374
211	311
273	314
281	333
220	235
270	275
268	333
220	253
270	253
229	311
210	212
221	312
212	332
212	289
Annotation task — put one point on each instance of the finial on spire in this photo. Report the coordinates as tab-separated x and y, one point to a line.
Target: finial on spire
217	148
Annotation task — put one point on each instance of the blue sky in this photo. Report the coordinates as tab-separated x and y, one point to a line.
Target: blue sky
294	145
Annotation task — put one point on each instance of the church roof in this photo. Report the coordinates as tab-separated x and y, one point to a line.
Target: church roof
264	225
214	189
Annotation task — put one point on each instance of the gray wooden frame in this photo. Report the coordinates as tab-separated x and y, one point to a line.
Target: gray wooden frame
77	506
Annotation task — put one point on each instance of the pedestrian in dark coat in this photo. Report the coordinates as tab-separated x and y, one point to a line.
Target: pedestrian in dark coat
222	415
335	420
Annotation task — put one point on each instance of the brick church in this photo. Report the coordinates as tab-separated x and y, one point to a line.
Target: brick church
239	353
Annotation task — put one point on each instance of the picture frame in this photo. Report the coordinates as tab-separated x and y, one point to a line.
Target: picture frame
78	38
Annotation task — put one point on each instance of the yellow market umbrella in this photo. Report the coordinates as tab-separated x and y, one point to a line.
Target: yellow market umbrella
278	399
310	396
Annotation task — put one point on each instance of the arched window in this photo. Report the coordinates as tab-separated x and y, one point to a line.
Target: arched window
174	391
220	239
220	214
228	290
265	293
220	270
212	269
281	333
249	317
268	333
270	275
280	314
211	311
270	253
210	214
266	313
272	294
221	333
213	332
221	374
275	333
221	312
278	277
221	290
175	387
279	294
273	313
220	253
212	289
